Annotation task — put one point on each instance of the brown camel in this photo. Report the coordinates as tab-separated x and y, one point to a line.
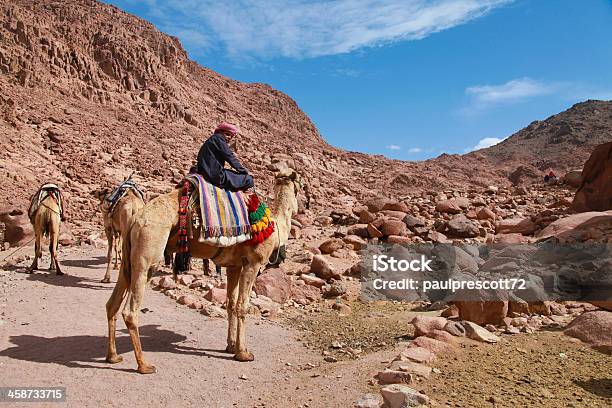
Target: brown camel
116	222
156	228
46	221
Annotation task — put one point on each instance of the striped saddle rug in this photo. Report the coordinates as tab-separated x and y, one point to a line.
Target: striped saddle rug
221	216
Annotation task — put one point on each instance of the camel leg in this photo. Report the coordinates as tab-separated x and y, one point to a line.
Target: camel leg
233	279
247	278
131	312
117	252
37	252
109	254
112	309
53	245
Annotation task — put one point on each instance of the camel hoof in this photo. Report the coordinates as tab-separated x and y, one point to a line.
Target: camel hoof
105	280
59	273
146	369
114	359
230	349
244	356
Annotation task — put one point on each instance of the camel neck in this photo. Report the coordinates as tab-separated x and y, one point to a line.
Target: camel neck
282	217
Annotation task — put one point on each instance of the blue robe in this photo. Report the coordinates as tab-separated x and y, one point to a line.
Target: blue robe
213	155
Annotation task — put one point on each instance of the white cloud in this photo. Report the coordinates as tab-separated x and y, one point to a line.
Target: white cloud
415	150
511	91
484	143
303	29
393	147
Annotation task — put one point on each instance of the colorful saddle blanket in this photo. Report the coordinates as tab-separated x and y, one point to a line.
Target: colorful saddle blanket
221	216
46	190
110	201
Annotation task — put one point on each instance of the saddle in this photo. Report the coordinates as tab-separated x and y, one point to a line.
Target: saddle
111	200
46	190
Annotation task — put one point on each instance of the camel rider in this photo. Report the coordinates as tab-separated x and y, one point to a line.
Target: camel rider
213	155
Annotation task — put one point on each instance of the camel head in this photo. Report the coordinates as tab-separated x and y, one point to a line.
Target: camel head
100	193
286	188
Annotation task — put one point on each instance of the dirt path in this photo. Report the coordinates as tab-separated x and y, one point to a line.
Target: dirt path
54	334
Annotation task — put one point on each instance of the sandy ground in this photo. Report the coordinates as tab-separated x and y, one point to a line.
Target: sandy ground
54	334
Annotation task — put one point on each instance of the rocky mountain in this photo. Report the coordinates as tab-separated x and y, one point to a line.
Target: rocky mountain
90	94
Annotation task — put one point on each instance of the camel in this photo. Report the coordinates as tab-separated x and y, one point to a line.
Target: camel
46	221
116	222
155	229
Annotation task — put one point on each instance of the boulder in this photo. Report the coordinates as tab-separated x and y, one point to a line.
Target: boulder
518	225
413	222
396	206
360	230
425	325
322	268
18	229
398	215
462	227
485	214
594	192
411	367
331	245
305	294
593	328
455	328
312	280
369	401
374	232
393	227
476	332
356	242
377	204
216	295
388	376
274	284
573	178
576	226
402	396
448	207
417	355
483	307
435	346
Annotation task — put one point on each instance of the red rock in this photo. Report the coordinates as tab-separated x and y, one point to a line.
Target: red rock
485	214
394	377
575	226
411	367
331	245
366	217
356	242
424	325
462	227
377	204
167	282
442	335
416	354
305	294
594	193
18	228
322	268
312	280
510	239
374	232
360	230
438	237
396	206
396	239
216	295
450	312
393	227
435	346
398	215
185	279
187	300
274	284
455	329
594	328
490	309
515	225
448	207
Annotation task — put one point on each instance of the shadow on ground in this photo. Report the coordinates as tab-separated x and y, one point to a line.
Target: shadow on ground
598	386
81	351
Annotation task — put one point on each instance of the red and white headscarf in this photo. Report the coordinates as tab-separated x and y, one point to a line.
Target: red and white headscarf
228	127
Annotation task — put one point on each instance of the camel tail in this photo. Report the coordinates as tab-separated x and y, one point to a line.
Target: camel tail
126	246
46	223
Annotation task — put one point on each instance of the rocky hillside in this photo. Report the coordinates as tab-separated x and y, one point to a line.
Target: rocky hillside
561	142
90	94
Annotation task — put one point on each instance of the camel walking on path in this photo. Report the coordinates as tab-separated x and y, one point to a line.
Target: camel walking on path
155	229
116	222
46	218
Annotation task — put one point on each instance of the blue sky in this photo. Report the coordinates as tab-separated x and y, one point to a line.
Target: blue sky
409	79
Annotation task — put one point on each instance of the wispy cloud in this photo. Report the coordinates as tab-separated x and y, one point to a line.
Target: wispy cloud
415	150
304	29
484	143
511	91
393	147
